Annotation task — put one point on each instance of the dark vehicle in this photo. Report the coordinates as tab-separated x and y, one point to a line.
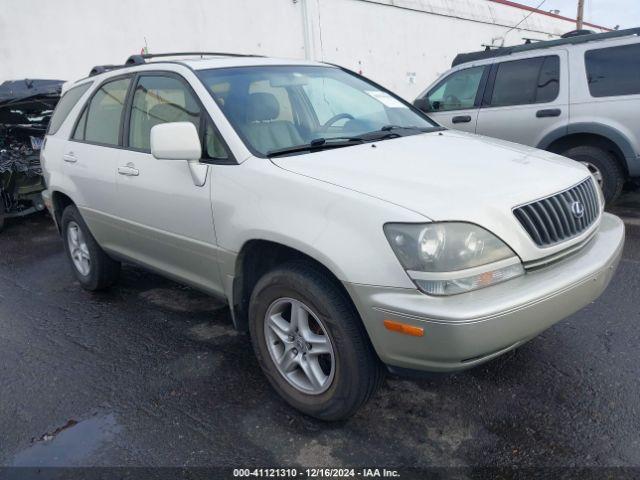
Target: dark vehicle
25	110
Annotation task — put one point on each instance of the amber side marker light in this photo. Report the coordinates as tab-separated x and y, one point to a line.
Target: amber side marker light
404	328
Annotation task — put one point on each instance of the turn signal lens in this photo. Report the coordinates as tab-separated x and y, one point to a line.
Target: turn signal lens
404	328
473	282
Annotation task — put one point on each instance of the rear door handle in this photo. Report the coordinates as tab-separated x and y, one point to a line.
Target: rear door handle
549	112
69	157
128	170
461	119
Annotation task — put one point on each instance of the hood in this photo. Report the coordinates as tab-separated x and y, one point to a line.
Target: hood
446	176
15	91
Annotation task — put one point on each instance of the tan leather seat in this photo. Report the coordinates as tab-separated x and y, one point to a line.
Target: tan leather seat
263	130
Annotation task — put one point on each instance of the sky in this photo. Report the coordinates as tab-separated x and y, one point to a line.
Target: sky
607	13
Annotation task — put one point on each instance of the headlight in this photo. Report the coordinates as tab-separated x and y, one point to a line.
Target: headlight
449	258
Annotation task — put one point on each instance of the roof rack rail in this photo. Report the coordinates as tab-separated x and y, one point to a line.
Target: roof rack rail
574	39
141	59
98	69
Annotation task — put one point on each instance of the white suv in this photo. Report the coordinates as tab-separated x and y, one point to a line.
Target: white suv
577	96
343	227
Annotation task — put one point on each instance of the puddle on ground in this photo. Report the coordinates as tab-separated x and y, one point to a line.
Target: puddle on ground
181	300
70	445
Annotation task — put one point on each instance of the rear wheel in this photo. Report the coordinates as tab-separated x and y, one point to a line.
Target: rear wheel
604	167
310	342
93	268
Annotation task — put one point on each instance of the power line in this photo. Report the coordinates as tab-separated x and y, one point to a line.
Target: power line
520	22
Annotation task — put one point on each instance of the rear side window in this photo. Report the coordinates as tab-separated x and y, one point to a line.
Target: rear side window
524	82
613	71
66	103
100	122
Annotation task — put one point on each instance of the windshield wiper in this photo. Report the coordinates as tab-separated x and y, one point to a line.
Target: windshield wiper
411	128
317	144
385	133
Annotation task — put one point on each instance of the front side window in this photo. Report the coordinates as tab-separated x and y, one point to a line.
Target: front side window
156	100
280	107
214	146
66	103
528	81
456	92
101	119
613	71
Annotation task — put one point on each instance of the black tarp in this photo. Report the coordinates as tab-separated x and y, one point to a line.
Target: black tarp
17	91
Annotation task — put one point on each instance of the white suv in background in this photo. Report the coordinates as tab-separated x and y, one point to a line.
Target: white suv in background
342	226
577	96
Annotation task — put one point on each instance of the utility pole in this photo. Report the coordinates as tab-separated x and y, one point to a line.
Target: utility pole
580	16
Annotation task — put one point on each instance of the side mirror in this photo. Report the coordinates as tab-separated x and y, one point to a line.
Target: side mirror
175	141
422	104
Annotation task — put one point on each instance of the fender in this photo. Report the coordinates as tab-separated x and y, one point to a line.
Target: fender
623	143
48	197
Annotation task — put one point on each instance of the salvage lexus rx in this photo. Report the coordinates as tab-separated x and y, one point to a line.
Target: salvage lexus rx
345	229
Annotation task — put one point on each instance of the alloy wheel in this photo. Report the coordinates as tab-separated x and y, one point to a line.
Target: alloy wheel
595	171
299	346
78	249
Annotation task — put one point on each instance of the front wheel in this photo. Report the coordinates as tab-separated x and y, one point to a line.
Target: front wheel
93	268
310	342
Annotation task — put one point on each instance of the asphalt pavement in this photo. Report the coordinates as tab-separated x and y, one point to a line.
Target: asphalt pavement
152	373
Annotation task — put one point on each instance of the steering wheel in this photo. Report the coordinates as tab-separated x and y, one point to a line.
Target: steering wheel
452	100
334	119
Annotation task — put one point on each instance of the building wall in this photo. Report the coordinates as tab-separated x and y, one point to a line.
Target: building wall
402	44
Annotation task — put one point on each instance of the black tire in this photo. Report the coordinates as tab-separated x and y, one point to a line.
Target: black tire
104	271
613	176
358	371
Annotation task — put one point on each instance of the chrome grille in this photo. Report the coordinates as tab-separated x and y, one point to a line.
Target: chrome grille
557	218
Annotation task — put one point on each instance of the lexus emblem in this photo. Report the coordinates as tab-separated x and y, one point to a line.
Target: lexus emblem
577	208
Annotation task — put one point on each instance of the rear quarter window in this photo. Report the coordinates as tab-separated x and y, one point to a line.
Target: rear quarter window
66	103
613	71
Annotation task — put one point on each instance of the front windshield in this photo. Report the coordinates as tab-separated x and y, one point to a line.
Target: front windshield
276	108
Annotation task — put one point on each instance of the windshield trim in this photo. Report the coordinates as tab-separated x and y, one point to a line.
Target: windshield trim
265	155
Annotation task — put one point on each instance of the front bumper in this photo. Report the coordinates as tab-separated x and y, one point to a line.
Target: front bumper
462	331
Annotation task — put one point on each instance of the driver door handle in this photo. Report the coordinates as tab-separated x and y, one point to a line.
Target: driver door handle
461	119
549	112
129	170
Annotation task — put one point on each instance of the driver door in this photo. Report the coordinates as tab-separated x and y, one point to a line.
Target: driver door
455	101
167	216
